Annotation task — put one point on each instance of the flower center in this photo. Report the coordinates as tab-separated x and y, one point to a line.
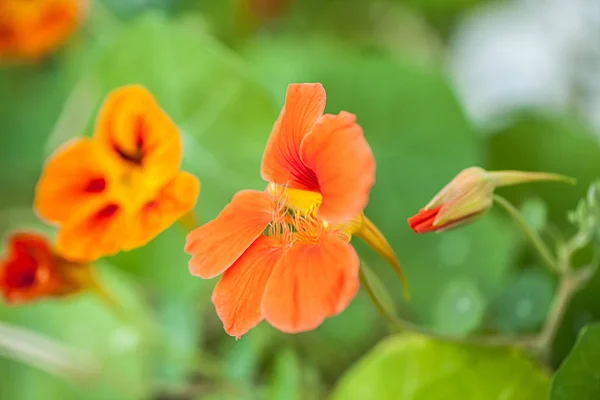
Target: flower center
295	217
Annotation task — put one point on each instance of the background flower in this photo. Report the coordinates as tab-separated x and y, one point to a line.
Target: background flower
121	188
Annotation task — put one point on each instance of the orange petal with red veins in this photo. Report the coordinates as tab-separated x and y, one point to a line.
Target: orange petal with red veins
139	133
341	158
281	163
173	201
216	245
311	282
72	178
238	294
98	232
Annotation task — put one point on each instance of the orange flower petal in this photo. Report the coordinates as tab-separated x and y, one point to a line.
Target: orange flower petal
92	234
72	178
173	201
311	282
341	158
304	104
217	244
32	29
239	293
139	133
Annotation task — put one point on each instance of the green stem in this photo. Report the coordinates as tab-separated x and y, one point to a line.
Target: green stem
533	236
46	354
569	284
398	324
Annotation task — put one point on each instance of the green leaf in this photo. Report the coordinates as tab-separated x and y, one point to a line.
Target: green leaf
578	378
411	367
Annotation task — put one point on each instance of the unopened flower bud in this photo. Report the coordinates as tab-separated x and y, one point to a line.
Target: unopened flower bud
469	196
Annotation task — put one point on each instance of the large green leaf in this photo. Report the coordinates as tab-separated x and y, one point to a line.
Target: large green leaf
410	367
579	377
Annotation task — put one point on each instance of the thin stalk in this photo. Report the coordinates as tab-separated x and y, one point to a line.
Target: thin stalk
398	324
569	284
533	236
46	354
371	235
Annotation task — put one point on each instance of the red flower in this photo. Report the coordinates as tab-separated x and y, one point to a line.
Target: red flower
31	270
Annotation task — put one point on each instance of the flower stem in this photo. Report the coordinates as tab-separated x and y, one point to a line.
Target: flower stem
570	283
533	236
398	324
46	354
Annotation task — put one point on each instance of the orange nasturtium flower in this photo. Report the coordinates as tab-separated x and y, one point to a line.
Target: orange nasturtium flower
284	252
469	196
32	270
31	29
121	188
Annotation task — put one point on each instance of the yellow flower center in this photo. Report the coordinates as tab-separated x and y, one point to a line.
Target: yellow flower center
296	219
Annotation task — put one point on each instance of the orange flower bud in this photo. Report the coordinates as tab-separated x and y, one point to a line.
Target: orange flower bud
31	270
469	196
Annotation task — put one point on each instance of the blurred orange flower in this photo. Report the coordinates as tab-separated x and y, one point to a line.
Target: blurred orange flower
31	29
31	270
121	188
285	253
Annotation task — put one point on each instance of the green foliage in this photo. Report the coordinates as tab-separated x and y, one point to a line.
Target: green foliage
286	376
410	367
115	344
578	377
586	217
543	144
524	302
225	101
535	212
460	308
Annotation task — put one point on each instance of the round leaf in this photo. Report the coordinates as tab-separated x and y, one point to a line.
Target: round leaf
411	367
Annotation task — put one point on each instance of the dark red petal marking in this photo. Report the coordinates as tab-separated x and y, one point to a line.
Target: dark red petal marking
107	211
95	185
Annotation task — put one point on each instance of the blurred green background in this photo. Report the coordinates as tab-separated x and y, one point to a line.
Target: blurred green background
437	85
